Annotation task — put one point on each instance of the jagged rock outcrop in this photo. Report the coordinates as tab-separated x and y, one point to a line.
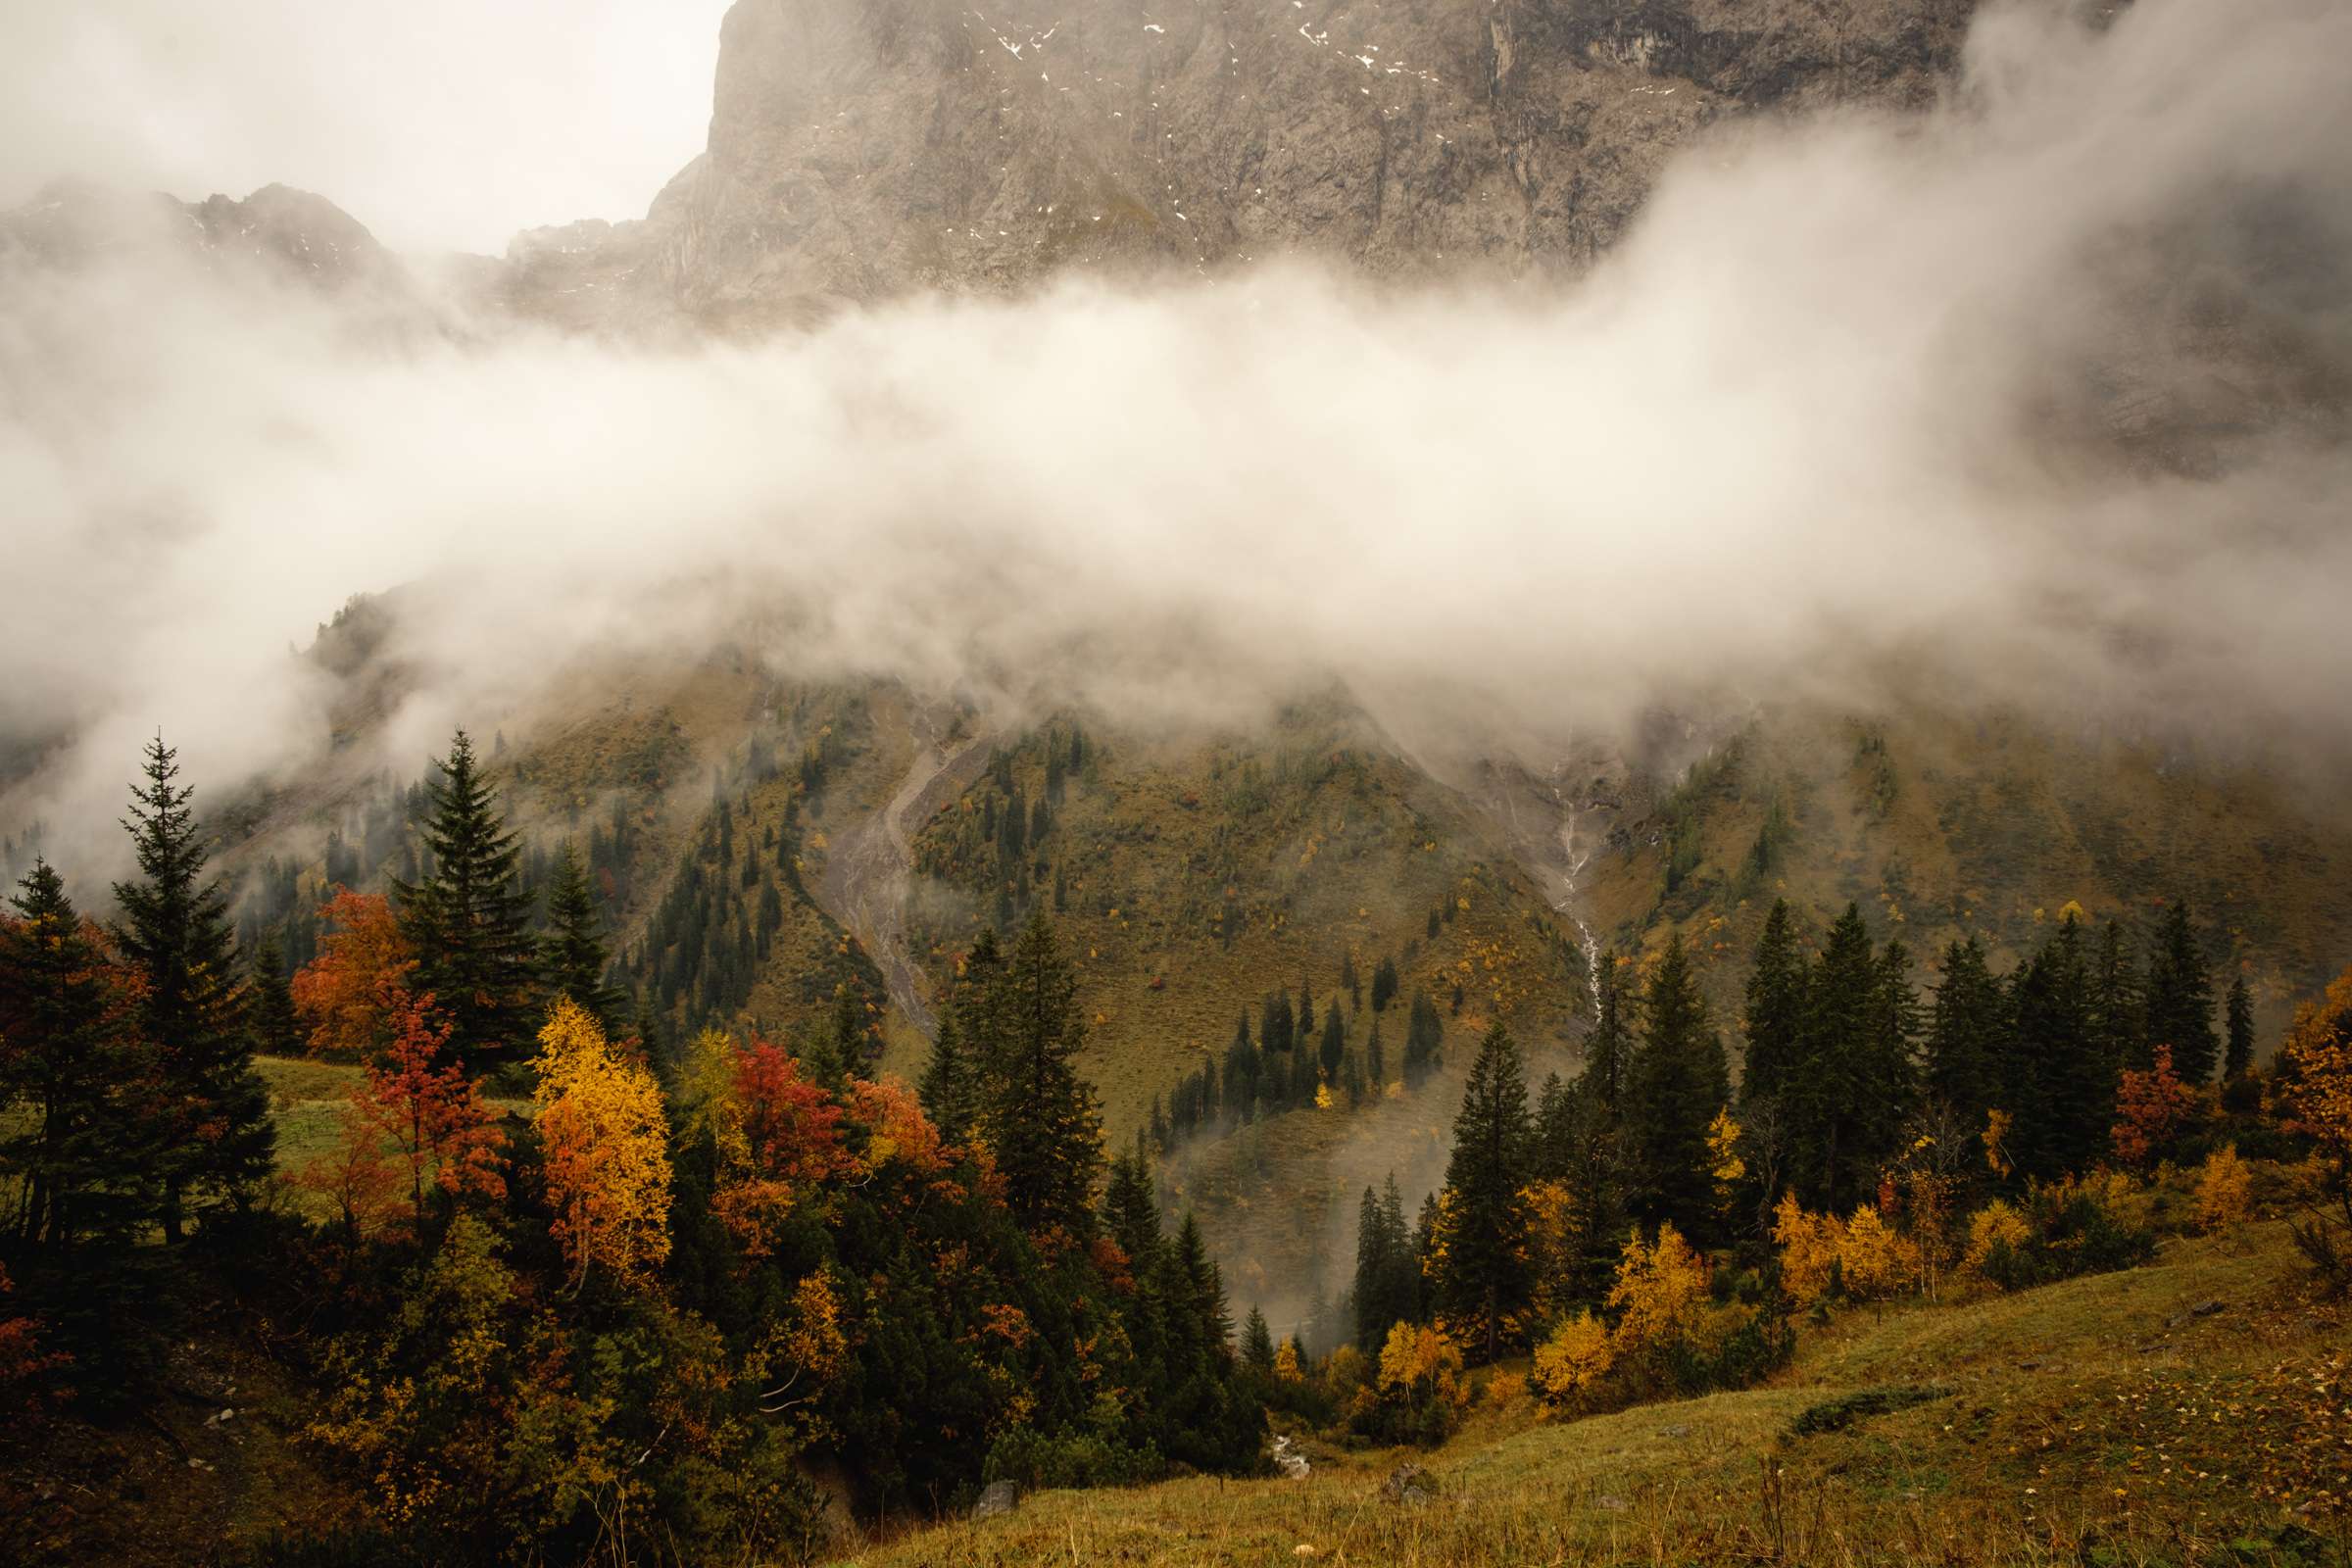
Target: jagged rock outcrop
863	148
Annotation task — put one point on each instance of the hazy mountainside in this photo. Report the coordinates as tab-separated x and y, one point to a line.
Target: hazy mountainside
764	851
863	149
287	234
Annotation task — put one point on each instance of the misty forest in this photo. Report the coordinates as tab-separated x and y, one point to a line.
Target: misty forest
1447	782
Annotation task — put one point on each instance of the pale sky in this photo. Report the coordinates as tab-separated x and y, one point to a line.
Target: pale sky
438	124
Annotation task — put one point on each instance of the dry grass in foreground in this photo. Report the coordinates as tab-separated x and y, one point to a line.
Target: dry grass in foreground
2190	1412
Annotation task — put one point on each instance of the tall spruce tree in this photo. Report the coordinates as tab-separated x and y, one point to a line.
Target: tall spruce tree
2118	1013
2060	1077
574	958
1257	1343
469	917
1968	1033
1424	1040
83	1124
947	1089
1037	1112
1387	1271
275	1028
2237	1059
1775	1024
1850	1089
175	935
1488	1279
2180	999
1674	1087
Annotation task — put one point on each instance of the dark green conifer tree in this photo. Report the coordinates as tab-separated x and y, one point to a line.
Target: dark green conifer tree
175	935
470	918
1257	1345
1037	1112
1131	1213
1488	1279
1424	1040
946	1086
2118	1013
1968	1036
83	1114
2060	1082
1387	1269
1672	1089
1776	1009
276	1031
2180	999
1376	1058
2237	1059
1851	1088
1335	1041
574	958
1242	1070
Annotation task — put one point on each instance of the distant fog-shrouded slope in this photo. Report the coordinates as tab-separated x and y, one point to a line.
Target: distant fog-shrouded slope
765	851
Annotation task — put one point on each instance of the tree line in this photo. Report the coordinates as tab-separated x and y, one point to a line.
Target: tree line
635	1307
2088	1053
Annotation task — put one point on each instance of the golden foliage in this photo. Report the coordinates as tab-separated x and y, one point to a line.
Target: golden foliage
1420	1363
1286	1362
1808	1244
1993	1226
1874	1259
2316	1070
1995	1136
1660	1292
1576	1356
896	1127
803	1351
608	1155
2224	1190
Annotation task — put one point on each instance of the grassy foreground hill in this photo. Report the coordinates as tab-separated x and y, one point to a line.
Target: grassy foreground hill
2191	1410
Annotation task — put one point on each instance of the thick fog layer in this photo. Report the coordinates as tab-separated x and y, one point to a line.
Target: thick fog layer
2038	399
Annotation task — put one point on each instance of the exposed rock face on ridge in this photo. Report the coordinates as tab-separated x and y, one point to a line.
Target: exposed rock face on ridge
863	148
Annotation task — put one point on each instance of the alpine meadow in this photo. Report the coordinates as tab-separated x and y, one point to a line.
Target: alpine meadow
1443	783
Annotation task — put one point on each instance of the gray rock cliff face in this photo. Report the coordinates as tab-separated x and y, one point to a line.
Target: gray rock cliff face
860	149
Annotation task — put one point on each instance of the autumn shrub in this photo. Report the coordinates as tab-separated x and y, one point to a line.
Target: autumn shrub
1875	1260
2224	1190
2155	1110
2316	1083
1660	1294
1997	1235
1808	1244
1575	1357
2077	1225
1420	1388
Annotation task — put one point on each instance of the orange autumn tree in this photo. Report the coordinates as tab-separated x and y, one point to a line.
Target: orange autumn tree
778	1135
2315	1075
421	1103
340	997
2151	1107
355	1178
606	1150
